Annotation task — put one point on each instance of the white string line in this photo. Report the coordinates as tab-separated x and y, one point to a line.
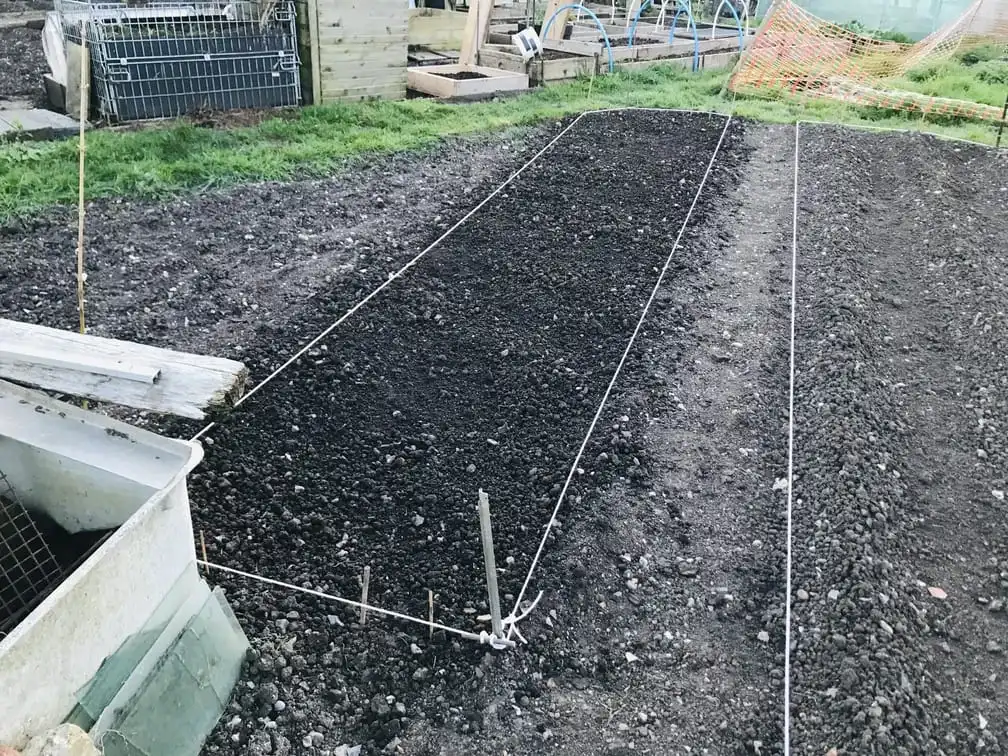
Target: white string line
790	470
483	637
619	368
397	274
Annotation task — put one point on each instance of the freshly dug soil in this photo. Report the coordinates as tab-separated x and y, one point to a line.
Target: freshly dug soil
22	65
900	537
685	572
661	623
165	273
481	368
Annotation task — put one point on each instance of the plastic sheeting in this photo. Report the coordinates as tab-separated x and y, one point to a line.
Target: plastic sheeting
53	47
915	18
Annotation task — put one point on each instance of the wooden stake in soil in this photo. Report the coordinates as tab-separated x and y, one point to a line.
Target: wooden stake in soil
202	541
1004	115
486	535
430	613
85	99
364	592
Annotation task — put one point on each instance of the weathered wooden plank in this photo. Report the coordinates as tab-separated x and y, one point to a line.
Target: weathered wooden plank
313	35
476	30
501	59
569	68
352	94
433	27
108	370
362	41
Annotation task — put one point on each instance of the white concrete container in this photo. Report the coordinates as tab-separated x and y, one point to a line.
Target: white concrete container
88	472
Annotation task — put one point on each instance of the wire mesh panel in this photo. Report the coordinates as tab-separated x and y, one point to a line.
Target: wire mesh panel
160	60
28	568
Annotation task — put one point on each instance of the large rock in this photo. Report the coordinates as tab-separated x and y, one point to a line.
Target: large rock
65	740
8	751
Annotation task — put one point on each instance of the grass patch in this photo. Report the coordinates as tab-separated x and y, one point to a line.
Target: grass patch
317	140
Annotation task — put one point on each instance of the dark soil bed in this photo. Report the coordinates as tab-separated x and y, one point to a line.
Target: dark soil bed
462	75
662	628
625	41
900	537
559	55
22	65
481	368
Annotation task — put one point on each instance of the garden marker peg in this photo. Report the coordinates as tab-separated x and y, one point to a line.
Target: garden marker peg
430	612
364	592
486	535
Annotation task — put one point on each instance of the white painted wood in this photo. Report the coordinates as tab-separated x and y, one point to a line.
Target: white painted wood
108	370
61	644
106	366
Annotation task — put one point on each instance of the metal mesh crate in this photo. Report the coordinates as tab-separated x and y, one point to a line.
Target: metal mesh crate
162	60
28	568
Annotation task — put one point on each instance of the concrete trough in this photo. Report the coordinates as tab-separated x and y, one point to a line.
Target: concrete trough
88	472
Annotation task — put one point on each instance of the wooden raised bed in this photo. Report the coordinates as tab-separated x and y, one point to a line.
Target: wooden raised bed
554	65
464	81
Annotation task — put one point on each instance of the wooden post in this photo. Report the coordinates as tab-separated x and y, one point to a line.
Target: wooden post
556	32
486	535
314	48
1004	114
85	101
476	31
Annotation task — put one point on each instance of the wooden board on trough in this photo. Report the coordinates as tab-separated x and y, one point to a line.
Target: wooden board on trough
464	81
120	372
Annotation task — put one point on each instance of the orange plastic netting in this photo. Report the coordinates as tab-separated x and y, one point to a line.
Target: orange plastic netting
796	54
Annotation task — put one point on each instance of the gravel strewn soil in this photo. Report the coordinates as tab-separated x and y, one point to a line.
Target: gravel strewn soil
21	6
661	627
22	65
228	273
481	368
684	572
901	527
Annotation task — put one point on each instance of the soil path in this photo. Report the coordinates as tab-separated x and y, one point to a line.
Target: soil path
900	453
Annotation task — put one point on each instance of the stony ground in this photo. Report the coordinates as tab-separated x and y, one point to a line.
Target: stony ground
901	525
661	629
230	273
22	65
